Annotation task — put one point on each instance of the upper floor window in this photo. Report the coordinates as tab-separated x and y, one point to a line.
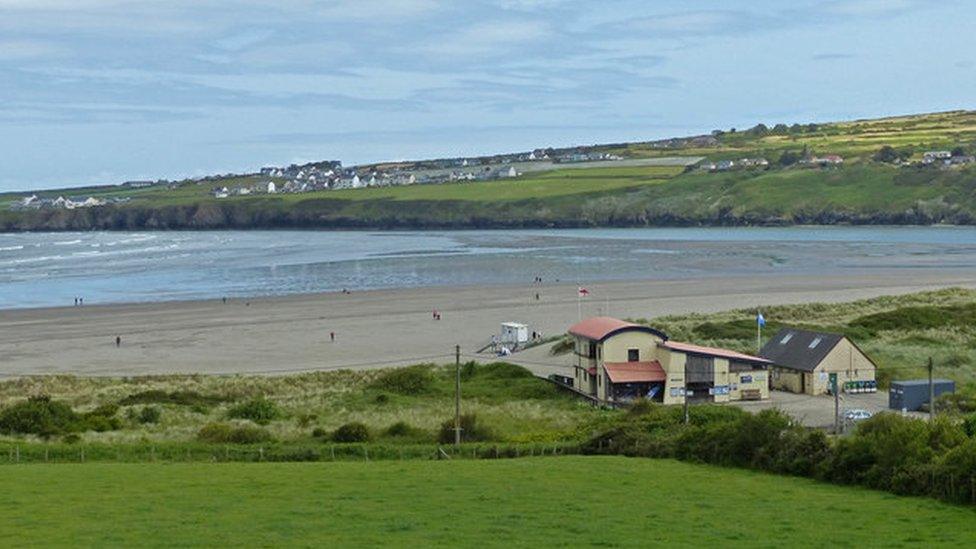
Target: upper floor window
633	355
815	342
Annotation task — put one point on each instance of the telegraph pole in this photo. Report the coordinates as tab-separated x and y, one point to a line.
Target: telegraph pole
457	396
685	392
833	386
931	393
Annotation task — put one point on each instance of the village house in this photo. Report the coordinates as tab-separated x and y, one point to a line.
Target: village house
802	362
618	361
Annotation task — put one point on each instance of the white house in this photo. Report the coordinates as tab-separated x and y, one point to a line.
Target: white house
272	188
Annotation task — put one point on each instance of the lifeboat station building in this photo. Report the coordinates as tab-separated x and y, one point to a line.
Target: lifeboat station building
618	361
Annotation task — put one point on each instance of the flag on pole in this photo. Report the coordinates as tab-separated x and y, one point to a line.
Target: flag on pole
760	320
583	292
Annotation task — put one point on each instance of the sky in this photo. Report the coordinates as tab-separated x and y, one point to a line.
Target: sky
104	91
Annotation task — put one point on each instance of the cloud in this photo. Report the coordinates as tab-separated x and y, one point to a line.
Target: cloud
832	56
488	38
372	10
26	49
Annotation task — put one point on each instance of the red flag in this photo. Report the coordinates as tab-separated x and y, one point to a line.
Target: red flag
583	292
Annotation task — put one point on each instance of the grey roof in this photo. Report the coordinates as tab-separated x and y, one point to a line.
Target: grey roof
917	382
796	352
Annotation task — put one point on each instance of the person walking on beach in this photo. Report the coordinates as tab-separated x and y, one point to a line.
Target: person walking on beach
76	302
332	336
118	341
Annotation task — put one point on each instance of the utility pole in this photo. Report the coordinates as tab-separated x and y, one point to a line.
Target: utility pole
685	392
931	393
457	396
833	387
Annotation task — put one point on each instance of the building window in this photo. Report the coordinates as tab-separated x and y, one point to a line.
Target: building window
786	338
815	342
633	355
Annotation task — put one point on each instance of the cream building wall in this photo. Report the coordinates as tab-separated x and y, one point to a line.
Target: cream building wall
847	362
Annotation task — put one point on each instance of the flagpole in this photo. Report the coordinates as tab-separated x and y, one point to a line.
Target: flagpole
579	303
758	333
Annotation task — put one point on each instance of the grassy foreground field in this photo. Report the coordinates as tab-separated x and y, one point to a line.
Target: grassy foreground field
606	501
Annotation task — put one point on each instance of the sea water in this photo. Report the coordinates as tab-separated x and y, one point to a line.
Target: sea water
51	269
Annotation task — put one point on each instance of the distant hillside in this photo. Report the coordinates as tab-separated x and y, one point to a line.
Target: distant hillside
863	172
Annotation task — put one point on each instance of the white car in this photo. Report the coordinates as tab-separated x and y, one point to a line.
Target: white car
857	415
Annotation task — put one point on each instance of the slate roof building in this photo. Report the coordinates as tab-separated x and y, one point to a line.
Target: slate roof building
803	361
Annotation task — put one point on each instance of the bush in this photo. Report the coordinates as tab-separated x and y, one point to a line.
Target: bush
412	380
402	429
352	432
969	425
258	410
181	398
223	433
471	430
149	414
44	417
319	432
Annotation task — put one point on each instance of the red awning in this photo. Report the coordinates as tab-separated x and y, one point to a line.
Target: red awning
635	372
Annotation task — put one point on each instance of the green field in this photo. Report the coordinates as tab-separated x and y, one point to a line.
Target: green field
575	501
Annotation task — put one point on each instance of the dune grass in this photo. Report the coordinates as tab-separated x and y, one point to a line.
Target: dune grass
576	501
514	404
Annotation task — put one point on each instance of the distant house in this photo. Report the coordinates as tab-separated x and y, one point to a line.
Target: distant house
271	187
803	361
220	192
929	157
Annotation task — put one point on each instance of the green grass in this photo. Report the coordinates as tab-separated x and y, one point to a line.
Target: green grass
514	404
575	501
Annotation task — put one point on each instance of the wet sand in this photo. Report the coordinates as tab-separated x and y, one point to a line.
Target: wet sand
384	327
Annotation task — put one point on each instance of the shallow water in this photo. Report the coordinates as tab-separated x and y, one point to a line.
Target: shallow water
49	269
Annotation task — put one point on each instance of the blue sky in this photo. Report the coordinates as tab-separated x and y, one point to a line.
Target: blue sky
101	91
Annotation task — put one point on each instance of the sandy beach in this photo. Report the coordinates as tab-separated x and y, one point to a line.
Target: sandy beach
381	328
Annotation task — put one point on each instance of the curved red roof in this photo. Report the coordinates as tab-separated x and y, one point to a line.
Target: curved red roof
599	328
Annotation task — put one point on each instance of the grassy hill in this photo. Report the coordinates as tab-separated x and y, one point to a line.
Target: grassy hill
862	190
566	501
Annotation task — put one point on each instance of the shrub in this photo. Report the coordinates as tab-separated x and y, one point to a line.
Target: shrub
224	433
181	398
39	415
44	417
969	425
149	414
352	432
319	432
412	380
402	429
305	420
471	430
258	410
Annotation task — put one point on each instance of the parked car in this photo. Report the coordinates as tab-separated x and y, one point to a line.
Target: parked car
857	415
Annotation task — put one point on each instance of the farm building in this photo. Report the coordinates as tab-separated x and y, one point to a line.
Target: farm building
803	361
618	361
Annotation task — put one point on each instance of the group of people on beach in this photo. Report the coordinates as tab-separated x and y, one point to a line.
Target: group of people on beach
79	301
